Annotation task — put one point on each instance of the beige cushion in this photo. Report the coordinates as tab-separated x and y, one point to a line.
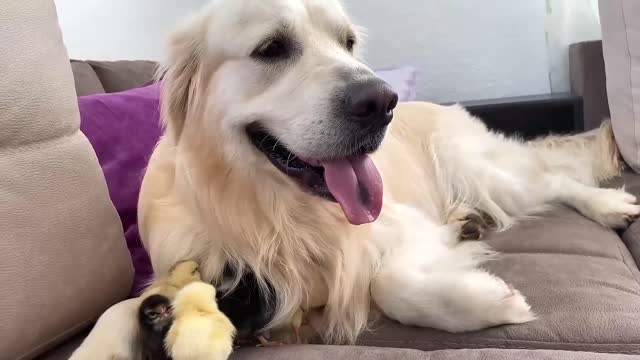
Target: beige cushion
621	46
578	277
63	258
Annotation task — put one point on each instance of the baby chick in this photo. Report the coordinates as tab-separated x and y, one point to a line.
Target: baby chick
181	274
155	319
199	331
247	305
296	324
154	313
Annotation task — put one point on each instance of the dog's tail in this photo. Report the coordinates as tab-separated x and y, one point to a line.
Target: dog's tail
592	156
607	159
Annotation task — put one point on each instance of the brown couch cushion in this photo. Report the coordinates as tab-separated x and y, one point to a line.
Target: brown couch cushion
86	79
95	77
123	75
63	258
578	277
589	81
319	352
369	353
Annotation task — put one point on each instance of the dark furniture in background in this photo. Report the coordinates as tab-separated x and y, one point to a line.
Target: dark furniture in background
531	116
589	80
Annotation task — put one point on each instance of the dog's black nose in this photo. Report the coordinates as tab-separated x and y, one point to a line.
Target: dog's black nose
370	103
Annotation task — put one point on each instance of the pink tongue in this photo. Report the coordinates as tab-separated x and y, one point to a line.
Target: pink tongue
357	186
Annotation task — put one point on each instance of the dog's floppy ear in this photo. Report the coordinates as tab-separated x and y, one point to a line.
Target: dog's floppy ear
179	76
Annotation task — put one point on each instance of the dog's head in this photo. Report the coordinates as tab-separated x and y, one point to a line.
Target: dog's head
276	84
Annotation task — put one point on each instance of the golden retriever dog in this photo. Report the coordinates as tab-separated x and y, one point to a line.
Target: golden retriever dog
286	156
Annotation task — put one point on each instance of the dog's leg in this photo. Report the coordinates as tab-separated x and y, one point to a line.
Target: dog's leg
534	182
508	178
470	224
115	335
610	207
423	280
454	301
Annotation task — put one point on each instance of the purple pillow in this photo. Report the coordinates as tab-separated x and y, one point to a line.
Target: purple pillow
124	128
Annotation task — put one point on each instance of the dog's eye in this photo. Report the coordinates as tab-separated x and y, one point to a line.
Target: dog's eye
274	49
350	44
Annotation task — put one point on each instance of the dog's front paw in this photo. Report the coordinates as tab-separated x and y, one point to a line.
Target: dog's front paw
474	226
514	309
613	208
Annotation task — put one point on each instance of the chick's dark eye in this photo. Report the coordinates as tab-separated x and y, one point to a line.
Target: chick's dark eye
152	314
350	44
272	50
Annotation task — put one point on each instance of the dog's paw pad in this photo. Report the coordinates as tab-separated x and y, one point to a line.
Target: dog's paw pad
471	231
474	227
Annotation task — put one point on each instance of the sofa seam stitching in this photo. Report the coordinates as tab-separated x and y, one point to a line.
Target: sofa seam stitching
489	346
74	330
511	340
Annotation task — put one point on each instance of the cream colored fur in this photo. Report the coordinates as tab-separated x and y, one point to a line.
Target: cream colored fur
209	195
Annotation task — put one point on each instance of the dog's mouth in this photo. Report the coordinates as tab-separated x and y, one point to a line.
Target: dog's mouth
353	181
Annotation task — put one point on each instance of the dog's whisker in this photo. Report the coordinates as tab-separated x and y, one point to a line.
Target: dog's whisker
263	139
289	159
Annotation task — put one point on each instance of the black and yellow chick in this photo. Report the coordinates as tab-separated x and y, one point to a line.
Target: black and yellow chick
155	319
155	314
181	274
249	306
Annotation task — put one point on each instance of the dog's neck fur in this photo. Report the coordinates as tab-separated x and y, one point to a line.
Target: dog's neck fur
282	236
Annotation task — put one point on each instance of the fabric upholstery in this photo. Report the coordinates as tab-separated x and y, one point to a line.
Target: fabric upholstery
86	80
589	81
578	277
123	75
631	236
371	353
621	45
63	258
319	352
630	180
64	351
